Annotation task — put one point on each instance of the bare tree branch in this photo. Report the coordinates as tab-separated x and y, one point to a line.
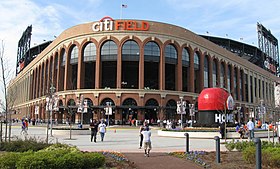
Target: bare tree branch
9	100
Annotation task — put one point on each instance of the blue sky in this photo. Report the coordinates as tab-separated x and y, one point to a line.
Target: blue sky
234	18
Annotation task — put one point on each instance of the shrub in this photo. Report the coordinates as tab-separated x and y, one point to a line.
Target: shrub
8	160
20	145
71	160
60	146
249	154
239	146
271	156
61	158
93	160
230	145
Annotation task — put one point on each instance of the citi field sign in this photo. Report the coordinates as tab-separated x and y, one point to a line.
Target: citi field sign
108	24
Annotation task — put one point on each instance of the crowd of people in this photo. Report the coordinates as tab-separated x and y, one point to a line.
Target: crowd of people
247	129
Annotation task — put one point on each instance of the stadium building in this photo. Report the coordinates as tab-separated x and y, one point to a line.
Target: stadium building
136	69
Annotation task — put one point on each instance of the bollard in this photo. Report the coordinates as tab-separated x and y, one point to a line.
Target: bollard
218	156
258	144
187	142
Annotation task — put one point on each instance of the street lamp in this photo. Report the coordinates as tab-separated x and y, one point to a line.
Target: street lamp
108	111
82	108
51	104
238	111
181	109
192	112
262	110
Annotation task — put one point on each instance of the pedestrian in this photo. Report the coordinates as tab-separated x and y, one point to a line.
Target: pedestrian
94	129
141	135
23	127
241	131
147	141
251	126
102	129
222	129
26	124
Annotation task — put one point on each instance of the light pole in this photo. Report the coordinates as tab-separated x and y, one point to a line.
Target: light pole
192	112
262	110
50	106
81	109
238	111
108	111
181	109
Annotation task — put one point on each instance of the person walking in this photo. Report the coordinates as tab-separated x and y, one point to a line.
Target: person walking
102	129
147	141
251	126
23	127
222	129
94	129
140	133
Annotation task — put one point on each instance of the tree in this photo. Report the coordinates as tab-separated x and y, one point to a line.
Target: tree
7	103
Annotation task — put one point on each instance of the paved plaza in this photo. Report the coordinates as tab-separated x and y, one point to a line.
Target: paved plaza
125	139
121	139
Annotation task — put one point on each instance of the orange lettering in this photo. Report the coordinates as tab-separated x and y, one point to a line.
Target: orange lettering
119	25
145	26
129	25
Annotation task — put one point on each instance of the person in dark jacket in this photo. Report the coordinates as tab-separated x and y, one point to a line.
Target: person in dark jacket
222	129
94	130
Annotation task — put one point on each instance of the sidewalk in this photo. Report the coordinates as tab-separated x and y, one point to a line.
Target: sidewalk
159	161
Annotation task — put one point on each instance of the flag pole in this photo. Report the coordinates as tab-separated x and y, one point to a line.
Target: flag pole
121	9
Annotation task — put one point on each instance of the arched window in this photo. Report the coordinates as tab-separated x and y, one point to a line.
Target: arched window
170	67
228	78
241	85
109	51
196	61
130	51
185	68
63	56
74	55
151	65
109	54
235	84
222	75
89	59
170	54
196	73
214	74
152	52
90	52
130	64
206	73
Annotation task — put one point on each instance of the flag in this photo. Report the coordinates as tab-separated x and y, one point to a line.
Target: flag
124	6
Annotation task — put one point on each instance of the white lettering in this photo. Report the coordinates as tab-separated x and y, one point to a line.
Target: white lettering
111	25
222	118
218	118
95	26
106	24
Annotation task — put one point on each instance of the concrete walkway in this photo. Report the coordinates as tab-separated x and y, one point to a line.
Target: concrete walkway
160	161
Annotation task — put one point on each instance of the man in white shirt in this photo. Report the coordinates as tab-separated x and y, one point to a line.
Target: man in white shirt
147	141
251	126
102	129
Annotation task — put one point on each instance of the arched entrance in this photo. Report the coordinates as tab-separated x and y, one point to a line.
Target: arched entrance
59	113
129	112
170	110
151	110
71	111
87	115
107	102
